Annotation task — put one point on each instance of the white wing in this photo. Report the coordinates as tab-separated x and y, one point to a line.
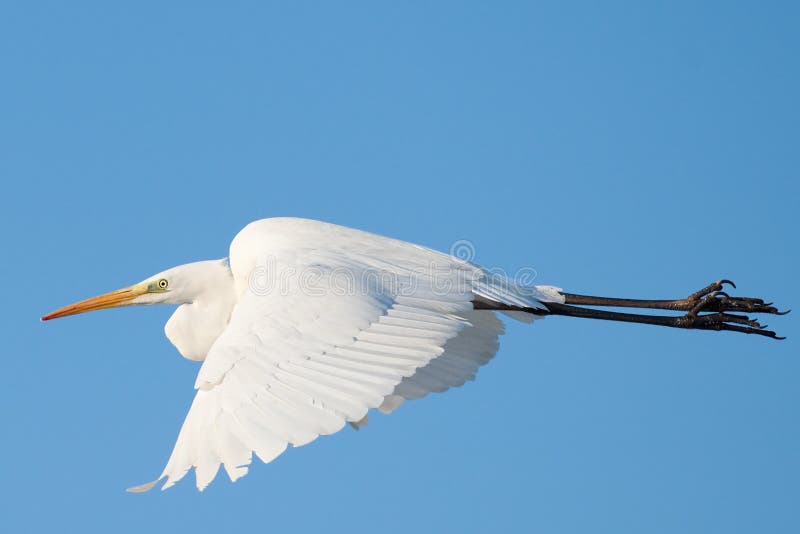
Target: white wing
474	346
330	322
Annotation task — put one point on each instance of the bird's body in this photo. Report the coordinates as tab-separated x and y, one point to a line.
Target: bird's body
274	251
309	325
332	321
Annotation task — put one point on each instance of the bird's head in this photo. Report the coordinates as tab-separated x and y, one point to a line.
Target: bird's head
178	285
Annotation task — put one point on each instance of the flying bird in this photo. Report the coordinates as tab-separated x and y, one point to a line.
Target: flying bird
307	325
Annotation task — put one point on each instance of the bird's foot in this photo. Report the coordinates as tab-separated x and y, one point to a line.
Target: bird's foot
716	302
712	299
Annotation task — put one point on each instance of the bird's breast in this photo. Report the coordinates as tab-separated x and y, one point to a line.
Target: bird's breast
194	328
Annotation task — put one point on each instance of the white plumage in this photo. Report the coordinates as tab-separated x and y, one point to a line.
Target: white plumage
310	326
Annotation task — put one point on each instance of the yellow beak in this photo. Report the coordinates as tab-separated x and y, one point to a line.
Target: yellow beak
113	299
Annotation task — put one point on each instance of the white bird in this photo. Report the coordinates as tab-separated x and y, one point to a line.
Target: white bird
309	325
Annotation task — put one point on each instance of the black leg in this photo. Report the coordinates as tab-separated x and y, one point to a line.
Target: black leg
706	309
709	321
711	299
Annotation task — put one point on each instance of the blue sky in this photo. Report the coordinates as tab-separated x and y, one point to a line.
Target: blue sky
618	148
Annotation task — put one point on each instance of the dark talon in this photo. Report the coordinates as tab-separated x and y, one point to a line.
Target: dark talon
716	302
710	308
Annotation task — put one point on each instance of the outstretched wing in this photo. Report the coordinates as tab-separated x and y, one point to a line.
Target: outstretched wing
330	321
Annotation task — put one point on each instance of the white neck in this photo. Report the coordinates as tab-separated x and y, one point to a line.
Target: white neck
196	325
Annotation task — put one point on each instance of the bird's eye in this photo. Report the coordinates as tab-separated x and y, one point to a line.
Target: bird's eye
162	284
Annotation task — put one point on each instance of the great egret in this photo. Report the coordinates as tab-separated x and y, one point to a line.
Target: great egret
310	325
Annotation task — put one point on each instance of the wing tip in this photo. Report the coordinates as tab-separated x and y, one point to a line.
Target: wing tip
143	488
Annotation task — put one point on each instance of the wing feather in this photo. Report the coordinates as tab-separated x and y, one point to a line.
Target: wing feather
347	321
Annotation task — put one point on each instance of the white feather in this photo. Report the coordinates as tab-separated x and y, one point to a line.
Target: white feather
328	323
